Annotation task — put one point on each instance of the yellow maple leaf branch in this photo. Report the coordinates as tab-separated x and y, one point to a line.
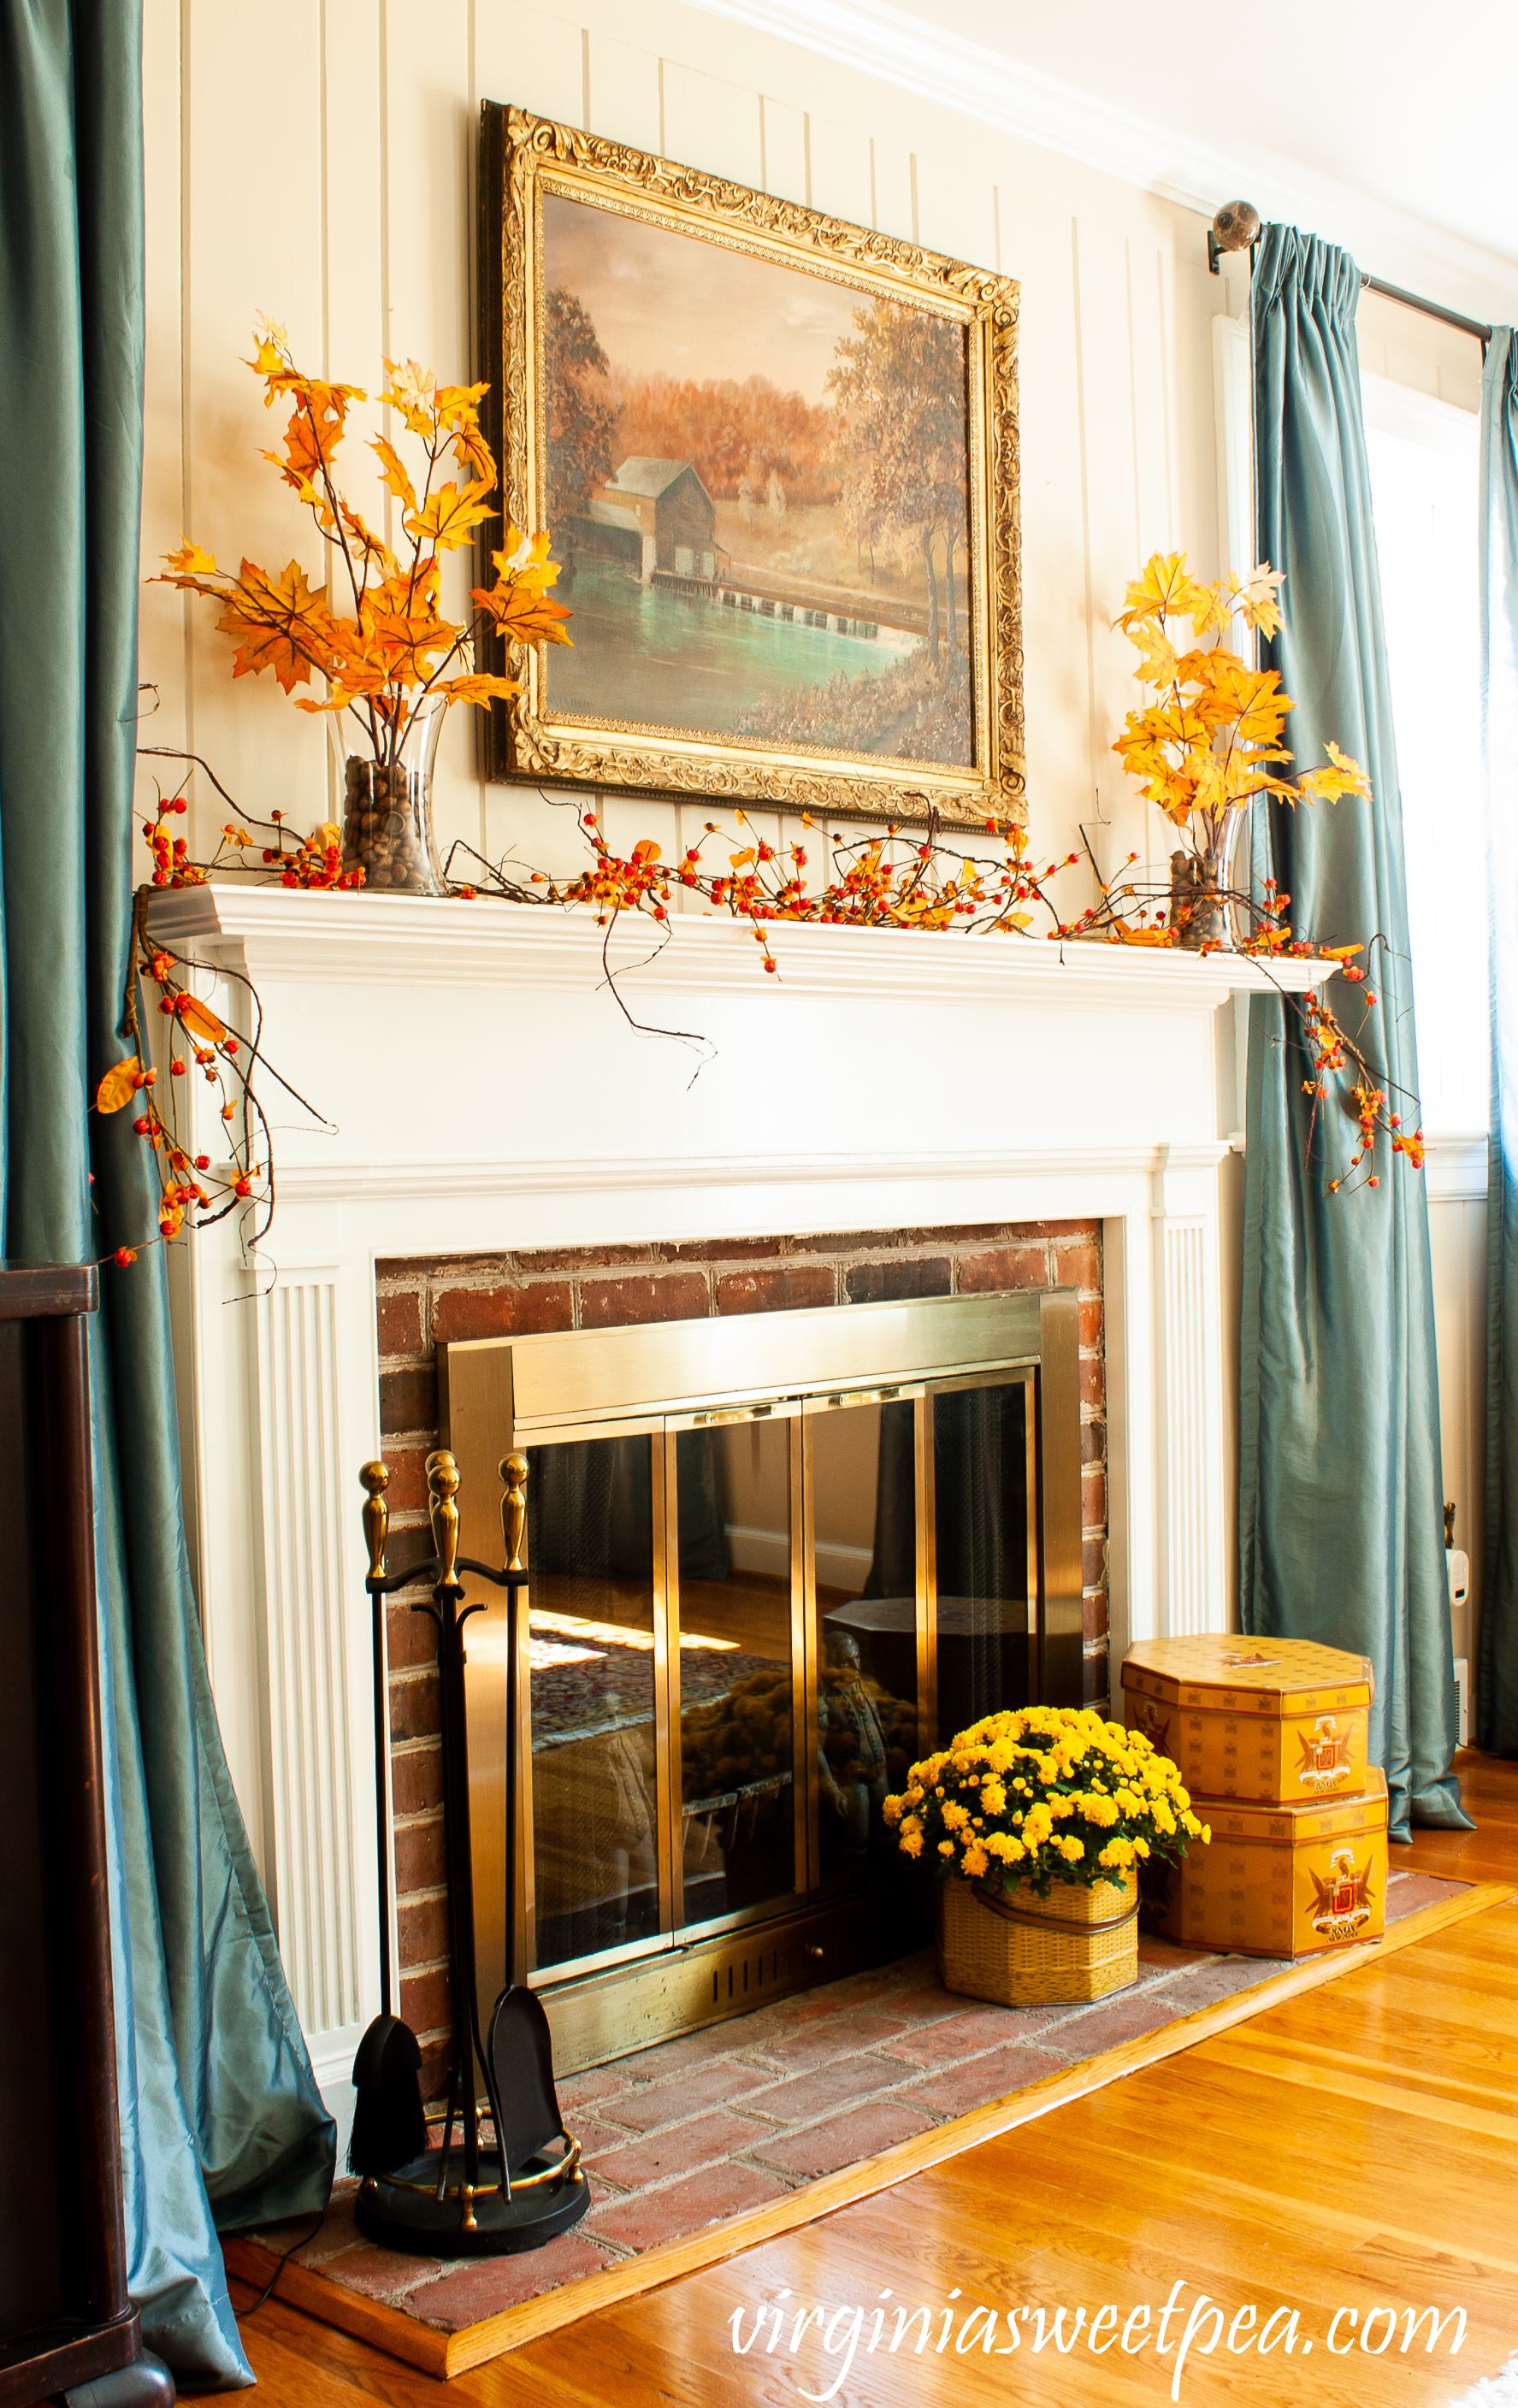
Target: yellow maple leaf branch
397	648
1209	740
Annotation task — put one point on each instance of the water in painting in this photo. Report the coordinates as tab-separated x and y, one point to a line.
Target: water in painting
757	482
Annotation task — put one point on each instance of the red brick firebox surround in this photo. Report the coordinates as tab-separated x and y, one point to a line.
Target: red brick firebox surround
423	1301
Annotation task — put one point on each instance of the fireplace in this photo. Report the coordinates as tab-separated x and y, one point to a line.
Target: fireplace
972	1100
774	1558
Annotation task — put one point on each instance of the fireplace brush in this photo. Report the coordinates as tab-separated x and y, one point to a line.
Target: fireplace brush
389	2123
477	2197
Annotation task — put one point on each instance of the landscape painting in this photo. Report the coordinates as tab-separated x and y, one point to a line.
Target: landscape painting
757	481
777	457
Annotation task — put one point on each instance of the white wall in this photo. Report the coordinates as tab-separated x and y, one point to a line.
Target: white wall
356	230
358	235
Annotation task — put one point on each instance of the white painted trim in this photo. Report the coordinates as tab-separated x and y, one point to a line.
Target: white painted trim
438	1181
1417	417
343	939
1233	415
1188	1394
1455	1167
938	65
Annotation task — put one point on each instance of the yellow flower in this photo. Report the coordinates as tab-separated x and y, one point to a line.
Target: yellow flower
911	1842
892	1809
1070	1848
975	1863
946	1847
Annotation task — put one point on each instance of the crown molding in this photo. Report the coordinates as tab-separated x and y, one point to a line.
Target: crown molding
934	65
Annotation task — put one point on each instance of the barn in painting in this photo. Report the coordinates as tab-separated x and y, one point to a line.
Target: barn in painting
656	514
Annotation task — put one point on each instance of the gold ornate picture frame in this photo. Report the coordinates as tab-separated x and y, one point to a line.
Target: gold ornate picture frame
709	395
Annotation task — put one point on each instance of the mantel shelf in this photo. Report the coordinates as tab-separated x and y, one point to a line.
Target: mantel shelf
331	938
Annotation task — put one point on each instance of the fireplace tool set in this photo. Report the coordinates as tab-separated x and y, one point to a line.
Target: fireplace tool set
468	2196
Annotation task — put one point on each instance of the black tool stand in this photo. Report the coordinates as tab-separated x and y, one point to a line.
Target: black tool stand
472	2198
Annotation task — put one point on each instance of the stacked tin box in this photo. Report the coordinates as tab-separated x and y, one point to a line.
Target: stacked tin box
1270	1737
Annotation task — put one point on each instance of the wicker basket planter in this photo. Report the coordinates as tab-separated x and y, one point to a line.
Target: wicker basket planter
1020	1950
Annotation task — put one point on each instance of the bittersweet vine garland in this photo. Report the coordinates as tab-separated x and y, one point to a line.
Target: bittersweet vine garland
1207	745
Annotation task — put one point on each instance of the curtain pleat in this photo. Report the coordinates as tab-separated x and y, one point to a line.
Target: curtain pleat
1341	1483
221	2118
1497	1679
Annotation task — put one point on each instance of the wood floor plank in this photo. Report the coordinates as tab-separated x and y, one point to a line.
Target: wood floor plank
1348	2149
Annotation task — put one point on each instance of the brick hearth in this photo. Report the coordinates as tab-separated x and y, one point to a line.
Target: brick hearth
730	2119
420	1302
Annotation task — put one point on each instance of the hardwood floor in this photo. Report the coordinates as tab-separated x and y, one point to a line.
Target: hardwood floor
1356	2150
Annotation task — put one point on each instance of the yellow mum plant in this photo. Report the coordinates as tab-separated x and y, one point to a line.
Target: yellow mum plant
1043	1795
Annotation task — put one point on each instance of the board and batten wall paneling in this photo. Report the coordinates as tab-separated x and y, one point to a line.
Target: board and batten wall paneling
361	242
359	236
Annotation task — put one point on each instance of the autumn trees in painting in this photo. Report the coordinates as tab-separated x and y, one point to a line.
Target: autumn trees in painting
835	557
900	394
581	418
887	448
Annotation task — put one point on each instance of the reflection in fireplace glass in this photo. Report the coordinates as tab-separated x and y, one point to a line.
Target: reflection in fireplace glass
592	1690
865	1555
736	1693
982	1479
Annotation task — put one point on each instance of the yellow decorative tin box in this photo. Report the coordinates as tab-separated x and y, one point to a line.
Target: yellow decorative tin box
1277	1881
1277	1721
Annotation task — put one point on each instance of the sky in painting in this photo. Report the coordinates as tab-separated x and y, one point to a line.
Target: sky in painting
670	304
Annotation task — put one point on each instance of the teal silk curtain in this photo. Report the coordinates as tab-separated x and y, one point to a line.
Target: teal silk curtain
221	2119
1498	1681
1340	1528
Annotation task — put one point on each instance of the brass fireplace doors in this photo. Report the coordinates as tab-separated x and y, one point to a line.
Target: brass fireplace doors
773	1560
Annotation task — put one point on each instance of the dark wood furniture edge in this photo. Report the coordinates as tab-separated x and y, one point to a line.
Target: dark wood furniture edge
29	1291
61	2355
58	2364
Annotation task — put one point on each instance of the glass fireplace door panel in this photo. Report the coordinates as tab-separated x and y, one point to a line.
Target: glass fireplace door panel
985	1563
591	1689
739	1679
863	1493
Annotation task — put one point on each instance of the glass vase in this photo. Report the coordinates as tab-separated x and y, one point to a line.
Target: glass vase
1201	879
384	805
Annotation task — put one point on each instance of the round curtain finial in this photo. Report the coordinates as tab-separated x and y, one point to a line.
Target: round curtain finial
1236	225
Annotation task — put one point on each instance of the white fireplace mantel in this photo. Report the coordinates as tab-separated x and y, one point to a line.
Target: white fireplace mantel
481	1090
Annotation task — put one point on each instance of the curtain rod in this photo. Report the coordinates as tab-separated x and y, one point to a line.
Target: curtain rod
1237	227
1426	308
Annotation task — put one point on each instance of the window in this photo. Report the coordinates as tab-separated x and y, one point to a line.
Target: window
1422	481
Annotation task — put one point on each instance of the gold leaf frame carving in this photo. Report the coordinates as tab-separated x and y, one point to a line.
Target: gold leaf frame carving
522	157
